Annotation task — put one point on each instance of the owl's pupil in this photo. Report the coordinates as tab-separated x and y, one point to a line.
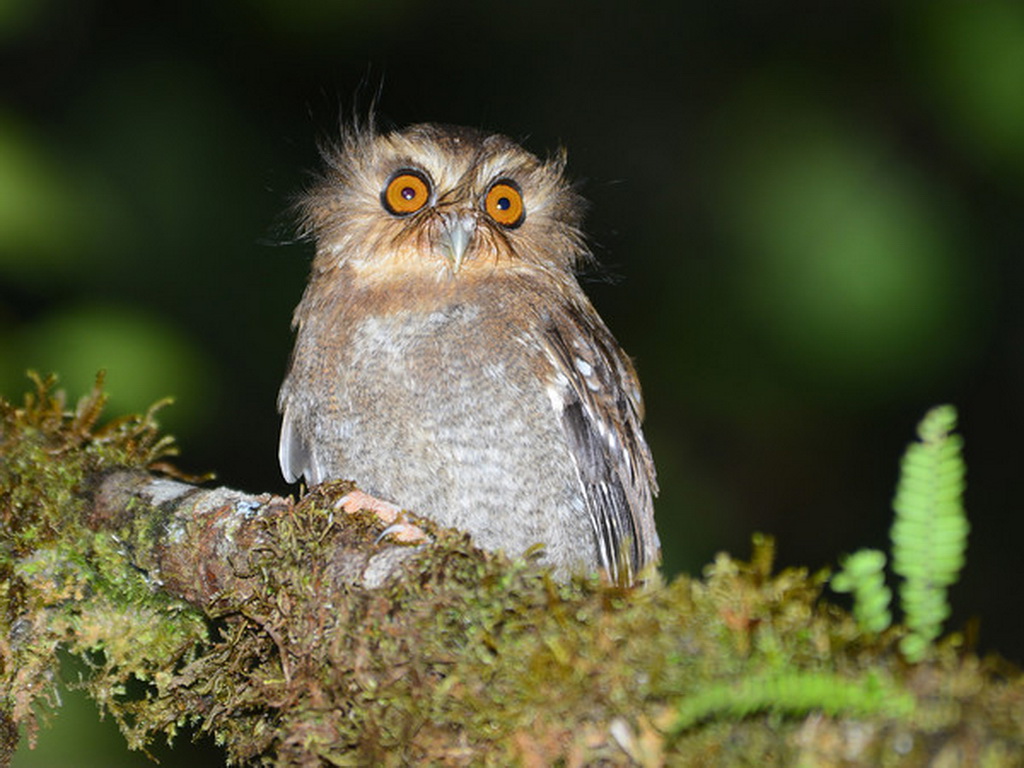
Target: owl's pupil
408	193
504	203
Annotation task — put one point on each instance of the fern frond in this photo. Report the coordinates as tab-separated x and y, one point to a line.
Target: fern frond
794	693
929	534
863	574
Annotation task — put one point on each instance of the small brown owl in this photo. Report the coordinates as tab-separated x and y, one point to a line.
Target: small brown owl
447	360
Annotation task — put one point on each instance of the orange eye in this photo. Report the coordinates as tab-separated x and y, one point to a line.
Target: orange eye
406	192
504	203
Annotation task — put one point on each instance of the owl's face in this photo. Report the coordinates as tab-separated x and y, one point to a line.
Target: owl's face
440	201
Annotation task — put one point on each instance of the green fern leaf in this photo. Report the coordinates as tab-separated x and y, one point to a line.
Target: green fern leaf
929	534
863	574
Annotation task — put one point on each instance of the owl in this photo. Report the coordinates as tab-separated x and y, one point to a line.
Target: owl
446	358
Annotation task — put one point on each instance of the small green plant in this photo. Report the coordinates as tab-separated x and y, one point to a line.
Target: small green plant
929	537
863	574
795	692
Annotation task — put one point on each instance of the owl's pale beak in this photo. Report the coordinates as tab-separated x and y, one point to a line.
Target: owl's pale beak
457	230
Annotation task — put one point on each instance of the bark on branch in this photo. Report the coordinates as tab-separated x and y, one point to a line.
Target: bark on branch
197	543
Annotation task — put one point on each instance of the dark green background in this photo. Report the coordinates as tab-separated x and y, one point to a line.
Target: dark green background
808	216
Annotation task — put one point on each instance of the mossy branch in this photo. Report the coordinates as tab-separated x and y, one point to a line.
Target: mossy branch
285	630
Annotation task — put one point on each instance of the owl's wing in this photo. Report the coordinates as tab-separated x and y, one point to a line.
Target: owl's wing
596	393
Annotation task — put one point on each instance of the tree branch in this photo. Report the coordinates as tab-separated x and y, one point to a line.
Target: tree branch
289	632
197	544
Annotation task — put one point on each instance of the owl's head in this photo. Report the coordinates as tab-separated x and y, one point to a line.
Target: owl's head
440	200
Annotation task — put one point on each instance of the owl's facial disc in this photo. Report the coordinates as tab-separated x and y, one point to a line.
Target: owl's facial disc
457	228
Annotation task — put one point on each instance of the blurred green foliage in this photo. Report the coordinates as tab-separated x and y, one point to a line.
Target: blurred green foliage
144	356
43	209
850	266
969	61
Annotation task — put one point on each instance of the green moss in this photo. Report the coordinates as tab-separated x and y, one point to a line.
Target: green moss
62	582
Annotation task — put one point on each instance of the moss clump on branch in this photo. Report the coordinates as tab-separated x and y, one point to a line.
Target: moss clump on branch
459	657
62	583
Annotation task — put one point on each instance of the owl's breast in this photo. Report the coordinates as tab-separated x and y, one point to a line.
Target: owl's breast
405	340
446	411
460	365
